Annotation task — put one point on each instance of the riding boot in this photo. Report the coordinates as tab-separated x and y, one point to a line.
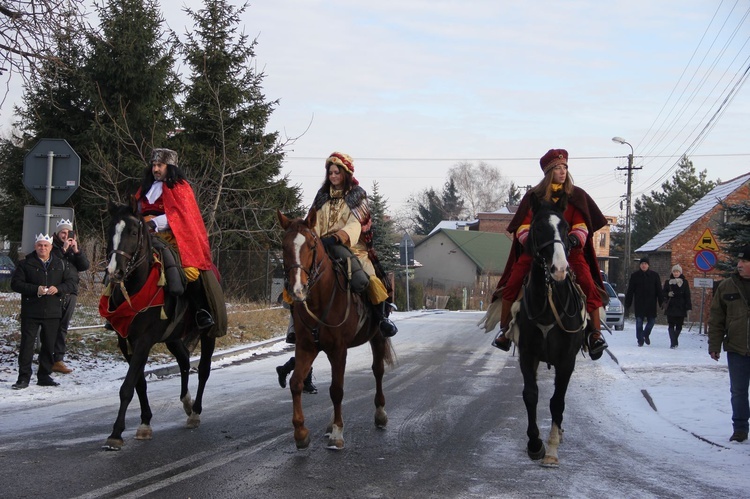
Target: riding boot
594	336
501	341
197	299
387	327
283	371
291	337
308	386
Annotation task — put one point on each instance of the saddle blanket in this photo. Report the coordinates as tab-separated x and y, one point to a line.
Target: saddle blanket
150	295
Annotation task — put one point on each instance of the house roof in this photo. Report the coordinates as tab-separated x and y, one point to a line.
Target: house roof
451	224
488	250
700	208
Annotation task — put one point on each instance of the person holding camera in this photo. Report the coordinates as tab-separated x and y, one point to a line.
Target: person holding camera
65	246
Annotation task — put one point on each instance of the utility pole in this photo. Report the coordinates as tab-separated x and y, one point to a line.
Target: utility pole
628	196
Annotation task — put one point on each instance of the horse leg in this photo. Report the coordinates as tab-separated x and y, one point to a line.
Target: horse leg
378	369
136	365
182	356
144	431
208	344
302	363
557	407
553	442
338	366
535	446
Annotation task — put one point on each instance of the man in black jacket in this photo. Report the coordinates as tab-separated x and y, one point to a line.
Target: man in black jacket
644	290
65	246
42	279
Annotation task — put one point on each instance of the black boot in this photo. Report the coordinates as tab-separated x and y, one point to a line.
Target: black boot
308	386
387	327
197	298
283	371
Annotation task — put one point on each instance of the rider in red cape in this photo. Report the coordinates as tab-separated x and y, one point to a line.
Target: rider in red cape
167	203
584	218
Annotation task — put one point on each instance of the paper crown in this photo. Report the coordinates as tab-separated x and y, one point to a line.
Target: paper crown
43	237
63	224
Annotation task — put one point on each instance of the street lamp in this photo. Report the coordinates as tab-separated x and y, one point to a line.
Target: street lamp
620	140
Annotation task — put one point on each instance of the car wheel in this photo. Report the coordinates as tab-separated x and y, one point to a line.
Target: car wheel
619	328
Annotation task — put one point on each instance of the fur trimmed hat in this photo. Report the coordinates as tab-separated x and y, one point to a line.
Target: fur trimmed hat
553	158
63	224
166	156
341	160
43	237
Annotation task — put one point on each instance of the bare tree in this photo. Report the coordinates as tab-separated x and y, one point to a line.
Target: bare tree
482	187
28	31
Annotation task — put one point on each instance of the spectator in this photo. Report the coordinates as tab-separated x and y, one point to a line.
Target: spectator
65	246
677	303
644	292
727	325
43	280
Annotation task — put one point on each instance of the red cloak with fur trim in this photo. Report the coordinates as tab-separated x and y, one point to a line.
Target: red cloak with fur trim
186	222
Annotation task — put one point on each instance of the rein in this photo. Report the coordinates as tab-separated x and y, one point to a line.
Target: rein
134	260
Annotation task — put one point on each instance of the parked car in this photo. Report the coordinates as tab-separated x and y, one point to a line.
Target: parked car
6	268
615	310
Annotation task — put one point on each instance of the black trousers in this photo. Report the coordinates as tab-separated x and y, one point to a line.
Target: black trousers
69	305
48	334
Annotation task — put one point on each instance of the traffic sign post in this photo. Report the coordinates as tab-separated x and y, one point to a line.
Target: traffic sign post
34	220
705	260
406	250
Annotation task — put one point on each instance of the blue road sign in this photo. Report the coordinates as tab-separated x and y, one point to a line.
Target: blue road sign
705	260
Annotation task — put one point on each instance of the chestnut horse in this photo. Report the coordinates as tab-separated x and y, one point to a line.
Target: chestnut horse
328	317
550	323
131	259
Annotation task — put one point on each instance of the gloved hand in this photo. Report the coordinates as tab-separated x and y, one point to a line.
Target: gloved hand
151	226
573	241
671	294
328	241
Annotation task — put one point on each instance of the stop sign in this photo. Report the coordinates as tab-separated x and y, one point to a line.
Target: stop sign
66	170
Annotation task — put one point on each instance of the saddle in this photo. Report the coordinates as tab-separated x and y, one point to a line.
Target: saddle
348	264
175	279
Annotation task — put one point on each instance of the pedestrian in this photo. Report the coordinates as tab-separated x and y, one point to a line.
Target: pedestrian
65	246
644	292
677	303
584	218
284	370
728	321
42	279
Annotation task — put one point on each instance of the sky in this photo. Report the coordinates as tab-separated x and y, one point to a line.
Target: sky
410	88
691	414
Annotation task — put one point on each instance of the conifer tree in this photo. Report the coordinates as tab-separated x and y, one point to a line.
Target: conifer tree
733	233
384	236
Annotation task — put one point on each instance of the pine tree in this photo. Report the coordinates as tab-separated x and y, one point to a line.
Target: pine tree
451	203
234	163
514	194
733	233
384	235
429	212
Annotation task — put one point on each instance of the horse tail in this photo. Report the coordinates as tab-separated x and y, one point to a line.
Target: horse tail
389	354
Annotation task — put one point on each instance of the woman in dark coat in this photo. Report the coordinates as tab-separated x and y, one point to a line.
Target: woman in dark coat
677	294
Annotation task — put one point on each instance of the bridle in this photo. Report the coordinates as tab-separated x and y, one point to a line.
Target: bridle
134	259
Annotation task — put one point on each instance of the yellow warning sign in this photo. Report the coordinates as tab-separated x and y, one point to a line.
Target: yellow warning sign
707	242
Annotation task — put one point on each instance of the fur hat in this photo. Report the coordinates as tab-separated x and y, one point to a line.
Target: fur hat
341	160
43	237
744	253
644	259
62	225
678	268
553	158
166	156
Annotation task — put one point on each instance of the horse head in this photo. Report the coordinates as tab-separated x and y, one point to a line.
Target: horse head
303	254
128	243
548	238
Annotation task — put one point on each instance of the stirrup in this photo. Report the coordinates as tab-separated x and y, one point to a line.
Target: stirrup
203	319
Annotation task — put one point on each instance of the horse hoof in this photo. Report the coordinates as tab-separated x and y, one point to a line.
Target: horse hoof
550	462
381	418
537	454
113	444
335	444
303	444
187	404
193	421
144	432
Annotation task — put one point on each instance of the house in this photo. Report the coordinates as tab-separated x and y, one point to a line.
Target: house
456	259
692	233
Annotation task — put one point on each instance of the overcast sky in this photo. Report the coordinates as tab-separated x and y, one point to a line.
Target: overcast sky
409	88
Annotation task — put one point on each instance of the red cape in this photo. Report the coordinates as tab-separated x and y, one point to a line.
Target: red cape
187	225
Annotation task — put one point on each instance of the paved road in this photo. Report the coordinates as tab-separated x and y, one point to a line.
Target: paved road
456	429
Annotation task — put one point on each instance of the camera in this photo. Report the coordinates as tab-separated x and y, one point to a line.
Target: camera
71	234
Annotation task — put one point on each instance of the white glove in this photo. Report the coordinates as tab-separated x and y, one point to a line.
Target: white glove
671	294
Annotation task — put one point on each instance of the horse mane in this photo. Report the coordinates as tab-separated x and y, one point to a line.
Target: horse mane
119	211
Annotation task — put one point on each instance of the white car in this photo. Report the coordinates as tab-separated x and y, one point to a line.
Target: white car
615	309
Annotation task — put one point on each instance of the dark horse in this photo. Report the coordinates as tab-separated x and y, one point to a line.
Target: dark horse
328	317
131	259
550	323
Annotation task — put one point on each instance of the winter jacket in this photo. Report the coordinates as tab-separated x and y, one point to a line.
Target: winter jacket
30	274
677	297
644	291
729	319
77	261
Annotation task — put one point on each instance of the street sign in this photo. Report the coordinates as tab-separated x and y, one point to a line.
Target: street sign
406	251
705	260
63	175
34	219
703	282
706	242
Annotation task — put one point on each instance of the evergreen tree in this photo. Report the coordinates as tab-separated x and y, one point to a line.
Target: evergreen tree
733	233
451	203
654	212
234	163
384	235
429	212
514	194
